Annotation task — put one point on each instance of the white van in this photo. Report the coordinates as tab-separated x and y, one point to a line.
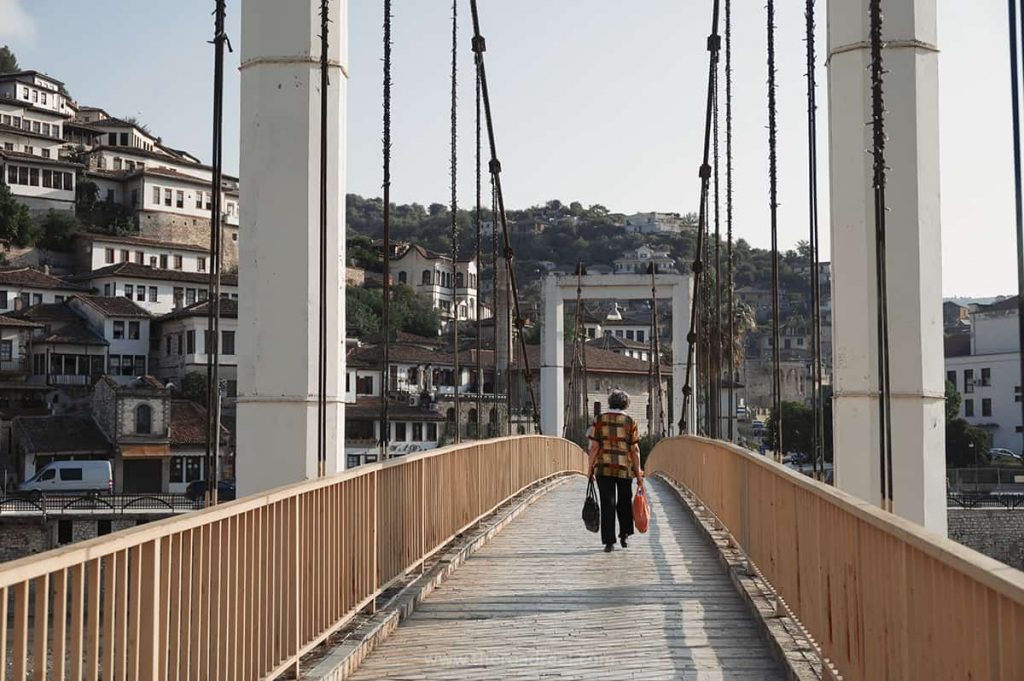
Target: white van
63	477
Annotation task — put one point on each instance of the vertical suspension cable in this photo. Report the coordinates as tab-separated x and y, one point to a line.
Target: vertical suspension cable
714	45
479	47
321	434
731	360
774	205
716	336
1018	190
479	269
879	183
658	407
457	373
212	457
817	404
385	416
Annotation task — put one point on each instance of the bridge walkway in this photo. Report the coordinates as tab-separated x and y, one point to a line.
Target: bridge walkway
543	600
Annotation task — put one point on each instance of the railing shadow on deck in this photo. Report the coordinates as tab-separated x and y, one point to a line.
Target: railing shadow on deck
882	597
243	590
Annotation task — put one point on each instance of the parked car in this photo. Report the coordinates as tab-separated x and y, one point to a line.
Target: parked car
69	477
757	426
998	455
225	490
796	459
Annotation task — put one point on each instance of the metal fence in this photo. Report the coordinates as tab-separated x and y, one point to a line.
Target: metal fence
96	504
880	596
243	590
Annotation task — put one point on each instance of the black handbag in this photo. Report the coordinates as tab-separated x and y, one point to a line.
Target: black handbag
591	509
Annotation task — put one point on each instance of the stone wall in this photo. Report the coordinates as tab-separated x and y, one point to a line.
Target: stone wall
183	229
20	537
996	532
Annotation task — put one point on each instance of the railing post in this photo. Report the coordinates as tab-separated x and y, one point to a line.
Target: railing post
423	513
152	610
375	508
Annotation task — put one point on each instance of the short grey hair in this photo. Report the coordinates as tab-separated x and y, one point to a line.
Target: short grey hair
618	399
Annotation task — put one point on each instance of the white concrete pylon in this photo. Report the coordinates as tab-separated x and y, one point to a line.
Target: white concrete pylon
914	264
280	248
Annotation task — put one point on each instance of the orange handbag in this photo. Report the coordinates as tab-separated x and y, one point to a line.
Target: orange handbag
641	512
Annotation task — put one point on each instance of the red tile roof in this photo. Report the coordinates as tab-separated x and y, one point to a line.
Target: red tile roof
188	424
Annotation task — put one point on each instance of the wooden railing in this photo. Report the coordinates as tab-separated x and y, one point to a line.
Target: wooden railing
243	590
883	598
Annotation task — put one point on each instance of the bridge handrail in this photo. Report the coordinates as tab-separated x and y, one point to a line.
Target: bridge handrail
881	596
244	589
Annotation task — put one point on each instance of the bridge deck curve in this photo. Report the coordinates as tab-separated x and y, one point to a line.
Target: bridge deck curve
543	600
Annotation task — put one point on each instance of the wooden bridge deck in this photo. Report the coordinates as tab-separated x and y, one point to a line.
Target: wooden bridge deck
543	600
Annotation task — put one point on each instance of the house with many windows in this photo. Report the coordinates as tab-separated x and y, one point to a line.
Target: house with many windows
640	261
33	114
451	287
96	251
155	289
23	287
987	374
65	350
180	344
125	327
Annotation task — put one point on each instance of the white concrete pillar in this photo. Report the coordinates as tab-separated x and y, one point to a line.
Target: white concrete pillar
279	255
552	363
913	260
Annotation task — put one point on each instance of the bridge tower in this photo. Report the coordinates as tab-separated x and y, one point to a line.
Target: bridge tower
280	250
914	257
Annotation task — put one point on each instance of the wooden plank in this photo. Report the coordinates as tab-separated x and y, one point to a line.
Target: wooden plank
58	650
92	648
40	626
4	594
78	601
19	652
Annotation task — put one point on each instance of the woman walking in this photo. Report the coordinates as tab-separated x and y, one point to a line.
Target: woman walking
615	460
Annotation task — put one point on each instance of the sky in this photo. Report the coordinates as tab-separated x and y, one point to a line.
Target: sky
593	102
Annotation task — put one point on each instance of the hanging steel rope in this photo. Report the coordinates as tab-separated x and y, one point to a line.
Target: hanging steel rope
212	458
577	382
714	45
773	191
1015	88
658	392
817	430
879	182
716	334
479	267
731	359
385	420
479	47
321	433
456	372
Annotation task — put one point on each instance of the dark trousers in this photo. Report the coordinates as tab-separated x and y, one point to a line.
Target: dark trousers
608	489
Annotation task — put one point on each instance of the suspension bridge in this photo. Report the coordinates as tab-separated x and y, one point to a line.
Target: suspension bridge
470	561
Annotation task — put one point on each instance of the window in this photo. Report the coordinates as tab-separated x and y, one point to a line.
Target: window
167	197
640	336
403	278
152	294
180	348
968	408
140	257
45	153
118	164
986	407
24	93
152	261
597	409
34	177
986	376
110	255
106	290
179	296
118	329
71	474
124	139
102	527
112	139
156	195
125	255
400	431
140	364
143	419
135	203
6	350
178	262
179	199
168	344
364	385
190	342
426	277
201	264
202	294
65	533
968	380
37	298
36	128
417	432
134	330
48	178
186	469
199	200
163	262
432	432
951	377
69	184
129	291
115	365
190	296
227	342
3	300
23	175
630	335
140	294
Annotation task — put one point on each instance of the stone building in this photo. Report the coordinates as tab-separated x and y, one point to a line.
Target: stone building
136	419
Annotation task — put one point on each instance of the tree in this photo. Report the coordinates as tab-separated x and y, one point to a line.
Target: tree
57	230
797	427
953	401
966	445
15	219
193	387
8	62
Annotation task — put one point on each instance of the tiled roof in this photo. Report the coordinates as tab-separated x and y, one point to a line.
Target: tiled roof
59	434
371	356
143	385
62	324
956	345
141	241
188	424
19	76
11	322
47	313
1006	304
602	361
32	278
610	342
368	408
130	269
32	158
116	306
228	309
